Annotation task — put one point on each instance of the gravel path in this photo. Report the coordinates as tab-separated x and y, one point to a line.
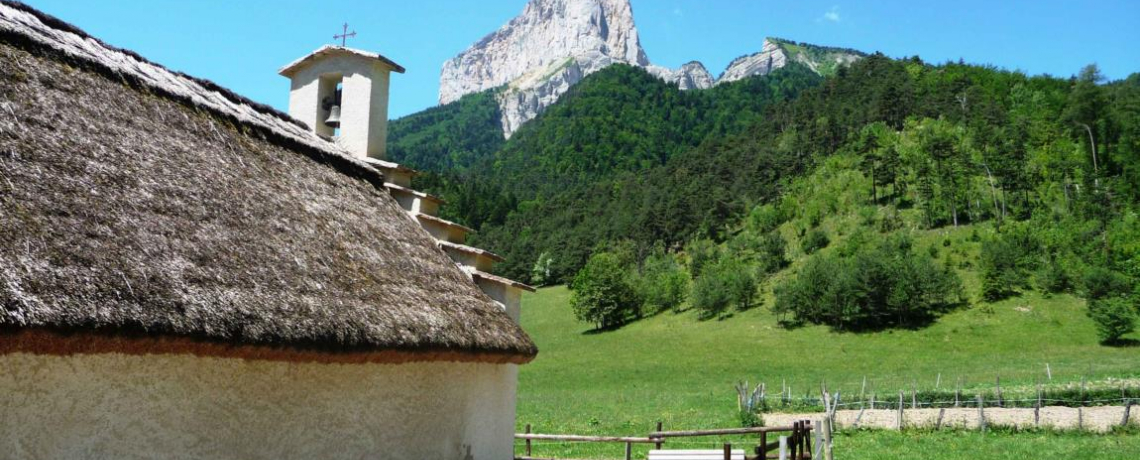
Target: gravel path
1100	418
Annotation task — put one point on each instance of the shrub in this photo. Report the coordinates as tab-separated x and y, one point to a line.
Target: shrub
701	253
854	243
663	284
728	282
540	273
1114	317
602	294
1004	264
751	419
771	253
814	241
1053	279
889	220
883	285
764	218
1100	283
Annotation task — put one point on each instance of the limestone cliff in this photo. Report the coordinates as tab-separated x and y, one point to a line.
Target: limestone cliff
537	56
692	75
770	57
541	53
776	53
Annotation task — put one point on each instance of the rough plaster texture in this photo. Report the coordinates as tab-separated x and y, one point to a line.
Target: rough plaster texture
182	406
364	100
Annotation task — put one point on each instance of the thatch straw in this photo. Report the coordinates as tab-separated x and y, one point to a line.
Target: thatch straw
138	206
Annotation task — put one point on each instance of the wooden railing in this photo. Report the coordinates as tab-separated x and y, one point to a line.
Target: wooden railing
797	445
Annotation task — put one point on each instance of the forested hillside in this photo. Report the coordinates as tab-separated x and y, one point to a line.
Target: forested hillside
613	125
881	170
450	138
1043	170
622	119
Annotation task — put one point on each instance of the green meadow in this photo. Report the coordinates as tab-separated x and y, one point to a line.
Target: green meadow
681	371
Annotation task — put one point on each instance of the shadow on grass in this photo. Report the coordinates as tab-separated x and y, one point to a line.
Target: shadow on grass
603	330
1122	343
915	321
635	318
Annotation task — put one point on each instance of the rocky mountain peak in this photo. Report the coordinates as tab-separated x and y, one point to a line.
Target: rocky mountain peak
691	75
548	48
770	57
547	33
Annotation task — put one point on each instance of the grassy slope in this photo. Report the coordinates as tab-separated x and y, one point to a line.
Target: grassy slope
677	369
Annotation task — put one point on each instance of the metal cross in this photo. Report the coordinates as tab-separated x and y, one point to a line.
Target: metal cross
343	36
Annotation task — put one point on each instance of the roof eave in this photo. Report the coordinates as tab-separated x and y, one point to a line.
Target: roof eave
62	342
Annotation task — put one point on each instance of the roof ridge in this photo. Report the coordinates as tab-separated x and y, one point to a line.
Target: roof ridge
45	31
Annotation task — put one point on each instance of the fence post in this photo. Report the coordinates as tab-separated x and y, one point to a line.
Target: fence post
999	399
913	395
834	407
827	442
817	430
629	451
1127	409
981	413
763	396
899	417
783	448
727	451
795	441
807	437
1080	418
957	391
763	445
1037	414
941	413
528	453
1084	390
657	445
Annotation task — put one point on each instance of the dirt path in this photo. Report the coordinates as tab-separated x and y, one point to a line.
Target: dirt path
1099	419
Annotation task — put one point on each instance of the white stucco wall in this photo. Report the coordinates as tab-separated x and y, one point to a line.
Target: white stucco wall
182	406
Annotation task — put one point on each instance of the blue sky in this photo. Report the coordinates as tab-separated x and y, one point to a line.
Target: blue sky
240	44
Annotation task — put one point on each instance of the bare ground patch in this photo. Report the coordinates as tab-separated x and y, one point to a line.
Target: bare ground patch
1099	418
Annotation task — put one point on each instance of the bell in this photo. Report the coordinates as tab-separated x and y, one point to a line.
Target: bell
333	121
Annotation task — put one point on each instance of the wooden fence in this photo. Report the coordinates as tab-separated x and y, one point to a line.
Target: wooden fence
796	445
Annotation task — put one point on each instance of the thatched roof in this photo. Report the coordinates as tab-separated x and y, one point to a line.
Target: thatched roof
145	211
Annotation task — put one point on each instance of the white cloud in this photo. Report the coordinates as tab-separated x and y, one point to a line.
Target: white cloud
832	15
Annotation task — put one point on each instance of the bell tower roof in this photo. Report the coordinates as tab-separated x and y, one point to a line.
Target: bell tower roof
332	50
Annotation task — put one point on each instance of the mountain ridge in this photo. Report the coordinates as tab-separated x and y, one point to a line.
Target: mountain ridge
537	56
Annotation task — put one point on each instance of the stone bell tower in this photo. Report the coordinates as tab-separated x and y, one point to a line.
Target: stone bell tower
336	80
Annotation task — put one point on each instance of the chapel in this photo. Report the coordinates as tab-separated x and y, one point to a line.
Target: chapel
186	273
